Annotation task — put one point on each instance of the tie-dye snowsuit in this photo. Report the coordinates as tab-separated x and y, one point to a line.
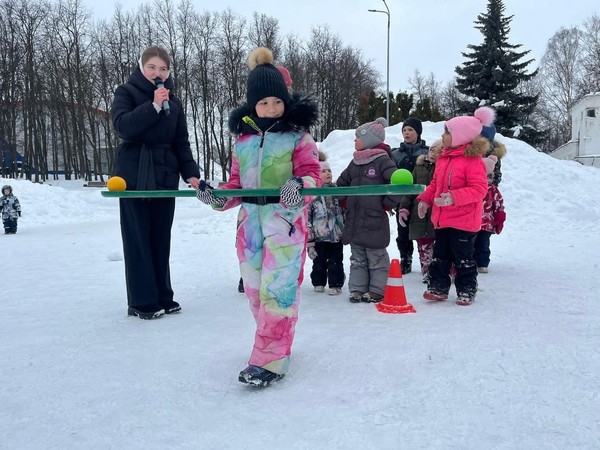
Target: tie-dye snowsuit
271	238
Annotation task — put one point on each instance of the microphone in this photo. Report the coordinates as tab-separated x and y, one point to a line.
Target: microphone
158	82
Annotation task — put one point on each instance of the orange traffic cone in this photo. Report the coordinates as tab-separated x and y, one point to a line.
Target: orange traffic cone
394	298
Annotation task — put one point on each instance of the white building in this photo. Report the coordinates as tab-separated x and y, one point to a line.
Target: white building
584	145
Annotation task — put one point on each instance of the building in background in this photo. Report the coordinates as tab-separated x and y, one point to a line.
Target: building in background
584	146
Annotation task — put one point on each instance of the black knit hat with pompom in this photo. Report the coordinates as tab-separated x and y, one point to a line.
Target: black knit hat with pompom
264	80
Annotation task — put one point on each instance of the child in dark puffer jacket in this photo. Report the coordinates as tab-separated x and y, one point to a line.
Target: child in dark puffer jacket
421	229
367	226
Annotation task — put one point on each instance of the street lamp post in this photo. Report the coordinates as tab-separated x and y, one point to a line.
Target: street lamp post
387	92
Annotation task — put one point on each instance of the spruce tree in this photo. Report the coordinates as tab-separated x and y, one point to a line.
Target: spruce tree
493	75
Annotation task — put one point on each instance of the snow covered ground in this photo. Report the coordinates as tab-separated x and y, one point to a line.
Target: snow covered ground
519	369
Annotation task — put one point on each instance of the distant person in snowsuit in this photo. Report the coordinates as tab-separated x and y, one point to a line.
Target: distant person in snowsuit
153	154
325	228
405	157
10	209
367	225
492	221
455	195
273	150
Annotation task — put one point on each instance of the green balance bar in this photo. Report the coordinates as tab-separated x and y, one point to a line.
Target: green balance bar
342	191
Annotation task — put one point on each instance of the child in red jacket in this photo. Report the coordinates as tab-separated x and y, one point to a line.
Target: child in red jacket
456	193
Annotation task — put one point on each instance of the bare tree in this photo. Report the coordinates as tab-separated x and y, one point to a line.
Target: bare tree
264	32
590	81
11	86
560	71
57	107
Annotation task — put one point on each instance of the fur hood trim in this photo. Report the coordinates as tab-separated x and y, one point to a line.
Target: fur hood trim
477	148
499	150
300	114
420	160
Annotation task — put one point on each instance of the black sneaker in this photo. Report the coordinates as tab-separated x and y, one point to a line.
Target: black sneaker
146	312
241	285
171	307
257	376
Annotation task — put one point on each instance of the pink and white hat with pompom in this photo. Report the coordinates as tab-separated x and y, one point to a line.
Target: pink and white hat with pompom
466	128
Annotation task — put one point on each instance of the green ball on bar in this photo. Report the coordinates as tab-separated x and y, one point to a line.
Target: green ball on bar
401	176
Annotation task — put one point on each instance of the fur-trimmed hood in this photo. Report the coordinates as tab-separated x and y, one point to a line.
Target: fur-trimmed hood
478	147
300	114
499	150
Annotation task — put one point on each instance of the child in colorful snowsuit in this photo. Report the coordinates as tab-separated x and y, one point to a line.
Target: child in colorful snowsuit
367	226
272	151
456	192
325	227
492	221
421	229
287	78
10	209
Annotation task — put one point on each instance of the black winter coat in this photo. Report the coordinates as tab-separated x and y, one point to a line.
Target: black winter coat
419	228
164	138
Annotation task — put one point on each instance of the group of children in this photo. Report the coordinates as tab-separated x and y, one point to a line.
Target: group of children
275	233
465	224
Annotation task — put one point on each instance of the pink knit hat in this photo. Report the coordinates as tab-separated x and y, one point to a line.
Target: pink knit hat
466	128
286	76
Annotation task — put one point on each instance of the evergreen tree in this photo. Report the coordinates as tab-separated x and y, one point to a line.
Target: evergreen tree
425	112
494	76
370	107
403	104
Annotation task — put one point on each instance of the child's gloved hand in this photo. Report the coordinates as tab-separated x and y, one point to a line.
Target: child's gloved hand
403	216
445	199
499	218
290	192
422	209
205	195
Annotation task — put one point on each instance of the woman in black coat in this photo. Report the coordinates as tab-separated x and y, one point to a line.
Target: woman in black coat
154	152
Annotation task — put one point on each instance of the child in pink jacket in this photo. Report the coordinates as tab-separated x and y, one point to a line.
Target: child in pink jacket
456	196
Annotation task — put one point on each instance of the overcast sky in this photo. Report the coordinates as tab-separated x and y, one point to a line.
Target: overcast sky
428	35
